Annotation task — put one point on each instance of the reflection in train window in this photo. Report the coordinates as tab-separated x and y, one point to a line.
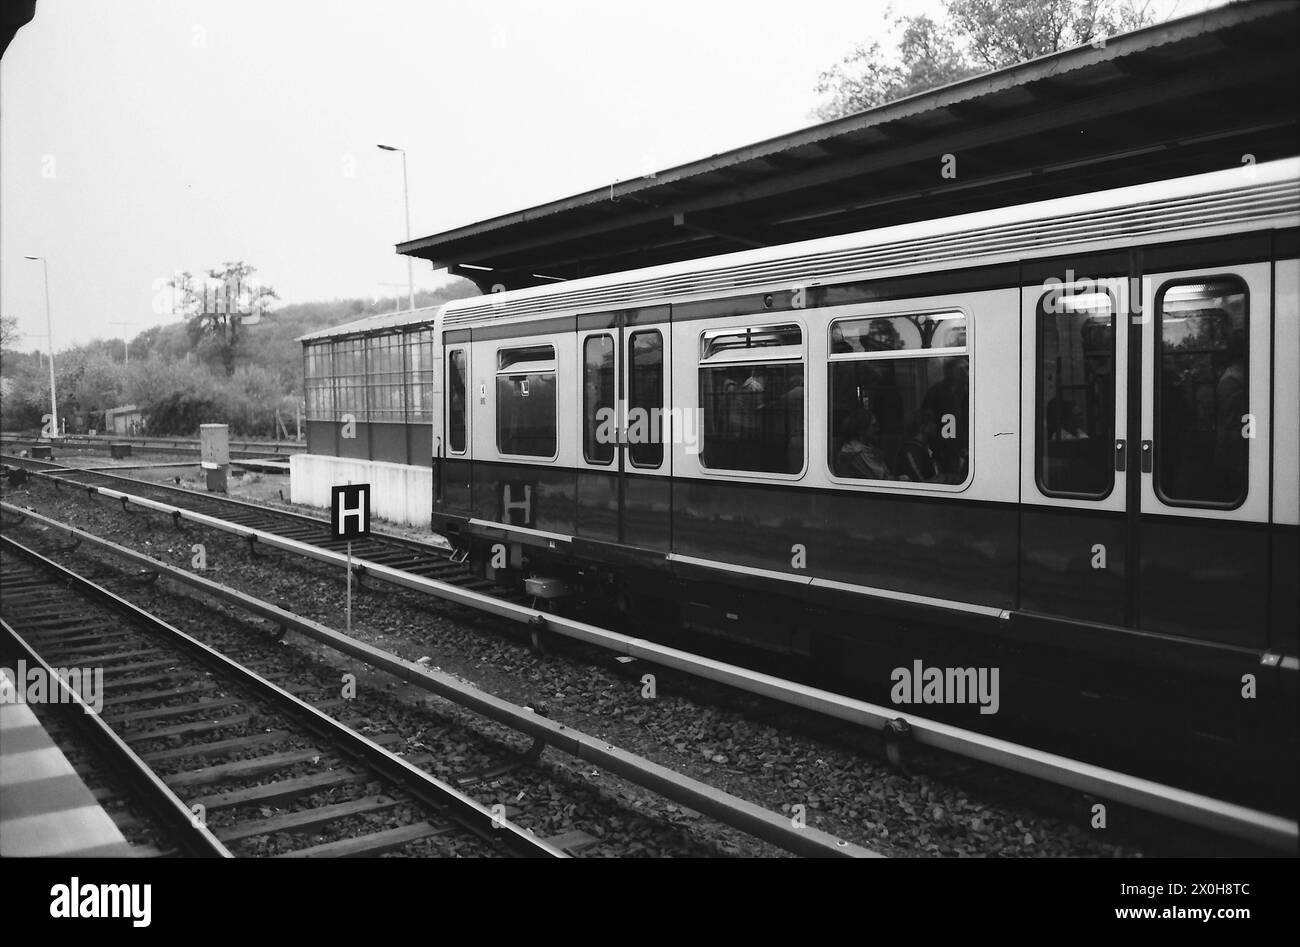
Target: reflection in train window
456	403
599	429
526	415
1201	388
1075	426
899	398
742	342
941	330
752	399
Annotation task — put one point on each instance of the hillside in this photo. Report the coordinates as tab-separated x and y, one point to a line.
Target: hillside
179	383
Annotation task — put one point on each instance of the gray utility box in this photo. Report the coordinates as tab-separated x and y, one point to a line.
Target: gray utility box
214	454
214	445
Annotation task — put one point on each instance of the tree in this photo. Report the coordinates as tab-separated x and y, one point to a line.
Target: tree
152	379
99	386
974	36
8	331
24	391
216	309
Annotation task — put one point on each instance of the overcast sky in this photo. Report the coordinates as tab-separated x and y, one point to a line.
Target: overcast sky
141	138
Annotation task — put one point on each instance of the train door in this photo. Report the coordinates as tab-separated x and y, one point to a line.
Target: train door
645	510
600	459
1074	451
623	467
452	464
1203	464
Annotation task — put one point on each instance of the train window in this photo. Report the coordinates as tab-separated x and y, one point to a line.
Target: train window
598	399
933	331
721	343
752	399
645	398
1201	387
899	398
1075	405
526	415
536	358
456	401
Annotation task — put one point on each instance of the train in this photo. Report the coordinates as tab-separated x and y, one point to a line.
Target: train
1059	438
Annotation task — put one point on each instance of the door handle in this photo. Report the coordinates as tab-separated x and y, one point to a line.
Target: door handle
1146	456
1121	462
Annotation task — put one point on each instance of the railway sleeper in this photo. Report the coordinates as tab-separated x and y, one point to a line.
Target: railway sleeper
376	843
526	758
307	819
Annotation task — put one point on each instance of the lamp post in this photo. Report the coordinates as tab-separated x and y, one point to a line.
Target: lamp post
49	328
126	345
406	200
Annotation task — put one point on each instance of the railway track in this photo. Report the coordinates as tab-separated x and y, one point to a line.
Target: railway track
228	744
159	445
501	777
409	555
407	562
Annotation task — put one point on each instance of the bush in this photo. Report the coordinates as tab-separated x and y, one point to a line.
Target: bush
180	413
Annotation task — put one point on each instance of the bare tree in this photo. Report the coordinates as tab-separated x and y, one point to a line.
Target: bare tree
216	309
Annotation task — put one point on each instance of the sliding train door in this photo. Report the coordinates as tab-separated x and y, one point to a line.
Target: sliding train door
600	459
645	514
624	486
1204	454
1074	451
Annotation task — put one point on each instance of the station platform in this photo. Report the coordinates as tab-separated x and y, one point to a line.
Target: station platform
45	808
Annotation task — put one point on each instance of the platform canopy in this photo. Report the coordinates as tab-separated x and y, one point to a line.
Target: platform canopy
1190	95
14	15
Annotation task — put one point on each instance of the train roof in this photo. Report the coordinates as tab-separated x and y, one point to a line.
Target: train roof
1252	196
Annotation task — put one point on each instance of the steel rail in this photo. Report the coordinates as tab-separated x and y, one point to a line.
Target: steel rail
716	803
63	474
175	443
425	787
193	835
1262	828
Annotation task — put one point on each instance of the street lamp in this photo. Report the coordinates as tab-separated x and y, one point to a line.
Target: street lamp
126	345
406	199
49	328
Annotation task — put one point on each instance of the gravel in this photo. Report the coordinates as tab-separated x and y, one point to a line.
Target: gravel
836	779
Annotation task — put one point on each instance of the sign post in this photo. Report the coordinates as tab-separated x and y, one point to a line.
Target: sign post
349	520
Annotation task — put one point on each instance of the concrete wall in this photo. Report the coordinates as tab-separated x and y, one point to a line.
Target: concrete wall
398	493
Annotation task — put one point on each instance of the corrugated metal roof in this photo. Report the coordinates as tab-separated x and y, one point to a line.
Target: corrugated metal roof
390	320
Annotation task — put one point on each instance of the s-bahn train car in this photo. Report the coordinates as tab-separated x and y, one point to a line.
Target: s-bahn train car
1061	436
